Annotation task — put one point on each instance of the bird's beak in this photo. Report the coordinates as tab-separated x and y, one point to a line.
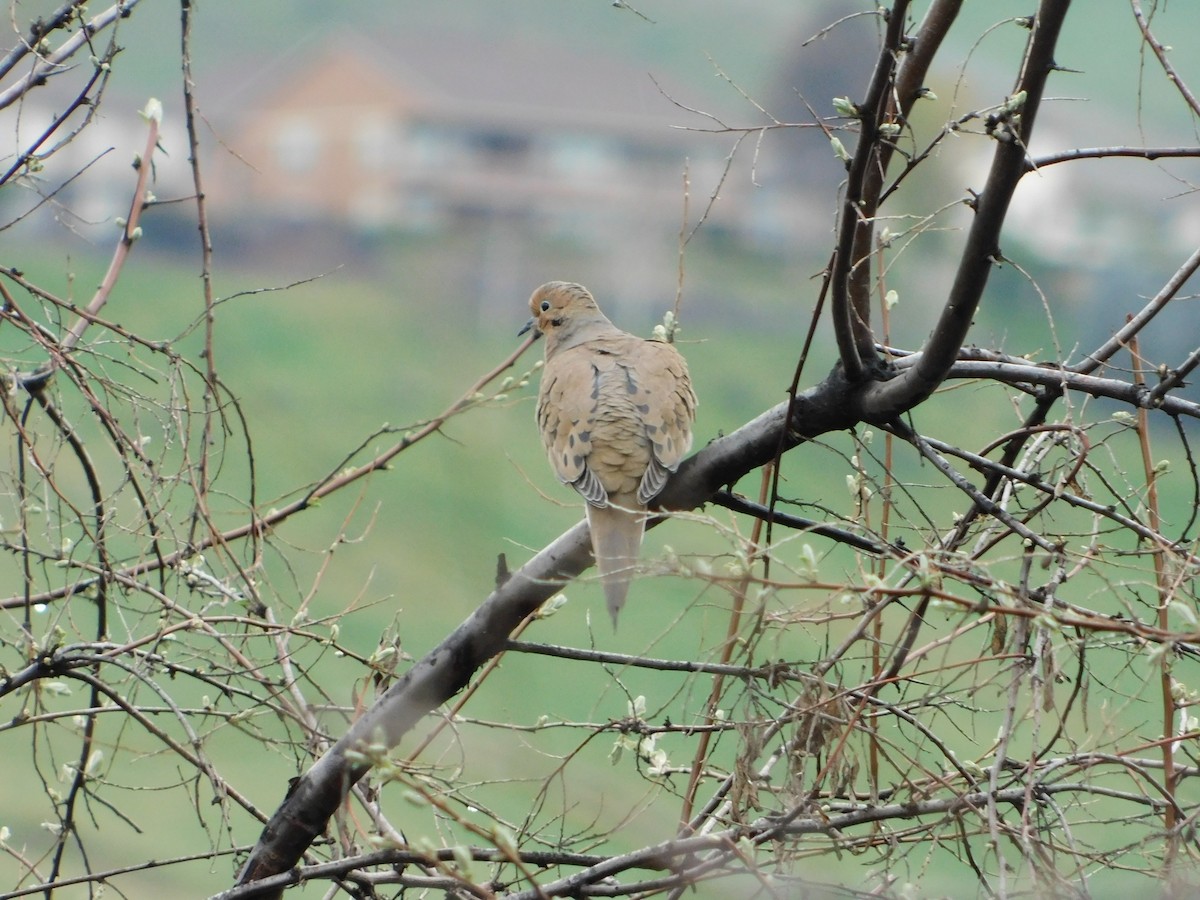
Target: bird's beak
528	325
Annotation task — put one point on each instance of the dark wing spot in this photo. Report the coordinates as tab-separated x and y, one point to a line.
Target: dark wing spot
643	408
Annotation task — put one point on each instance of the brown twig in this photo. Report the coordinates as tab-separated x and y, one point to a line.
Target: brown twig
130	232
1167	698
1160	53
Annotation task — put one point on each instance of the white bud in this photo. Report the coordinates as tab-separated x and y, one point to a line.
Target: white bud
153	111
1015	102
844	106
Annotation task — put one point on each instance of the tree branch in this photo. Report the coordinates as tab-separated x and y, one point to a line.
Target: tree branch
895	86
740	504
51	63
1147	153
1134	324
1160	53
1012	129
130	233
850	282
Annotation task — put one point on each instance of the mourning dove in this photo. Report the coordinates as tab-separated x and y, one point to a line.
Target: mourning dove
615	412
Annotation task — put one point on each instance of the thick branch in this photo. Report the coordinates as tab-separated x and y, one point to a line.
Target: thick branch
1012	131
439	676
850	312
888	102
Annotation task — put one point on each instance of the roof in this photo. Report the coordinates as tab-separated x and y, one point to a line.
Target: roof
464	75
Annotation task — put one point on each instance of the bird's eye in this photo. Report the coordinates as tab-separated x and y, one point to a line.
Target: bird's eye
545	306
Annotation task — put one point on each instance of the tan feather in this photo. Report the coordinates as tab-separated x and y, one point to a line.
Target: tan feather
616	542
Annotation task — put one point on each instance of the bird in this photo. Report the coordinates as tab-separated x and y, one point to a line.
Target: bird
615	412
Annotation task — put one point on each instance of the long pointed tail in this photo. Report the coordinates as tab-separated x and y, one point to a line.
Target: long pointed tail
616	540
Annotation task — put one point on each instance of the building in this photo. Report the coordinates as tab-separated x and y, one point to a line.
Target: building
438	128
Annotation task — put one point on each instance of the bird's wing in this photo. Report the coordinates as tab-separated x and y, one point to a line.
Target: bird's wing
565	415
667	405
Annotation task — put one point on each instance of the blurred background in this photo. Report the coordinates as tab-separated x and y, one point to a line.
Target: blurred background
502	147
389	180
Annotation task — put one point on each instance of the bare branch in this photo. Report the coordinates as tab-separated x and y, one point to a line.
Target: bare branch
50	64
1135	324
1012	130
1147	153
1160	53
849	281
130	232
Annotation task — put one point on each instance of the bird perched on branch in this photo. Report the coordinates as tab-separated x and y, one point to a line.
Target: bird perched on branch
615	412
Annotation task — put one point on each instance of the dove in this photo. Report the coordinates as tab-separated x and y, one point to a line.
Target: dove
615	413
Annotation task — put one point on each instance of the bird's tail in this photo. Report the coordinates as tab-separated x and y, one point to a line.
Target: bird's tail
616	540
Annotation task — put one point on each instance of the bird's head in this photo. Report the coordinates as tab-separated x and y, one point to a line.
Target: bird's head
562	309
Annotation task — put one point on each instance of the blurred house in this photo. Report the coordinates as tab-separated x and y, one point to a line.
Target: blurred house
435	129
